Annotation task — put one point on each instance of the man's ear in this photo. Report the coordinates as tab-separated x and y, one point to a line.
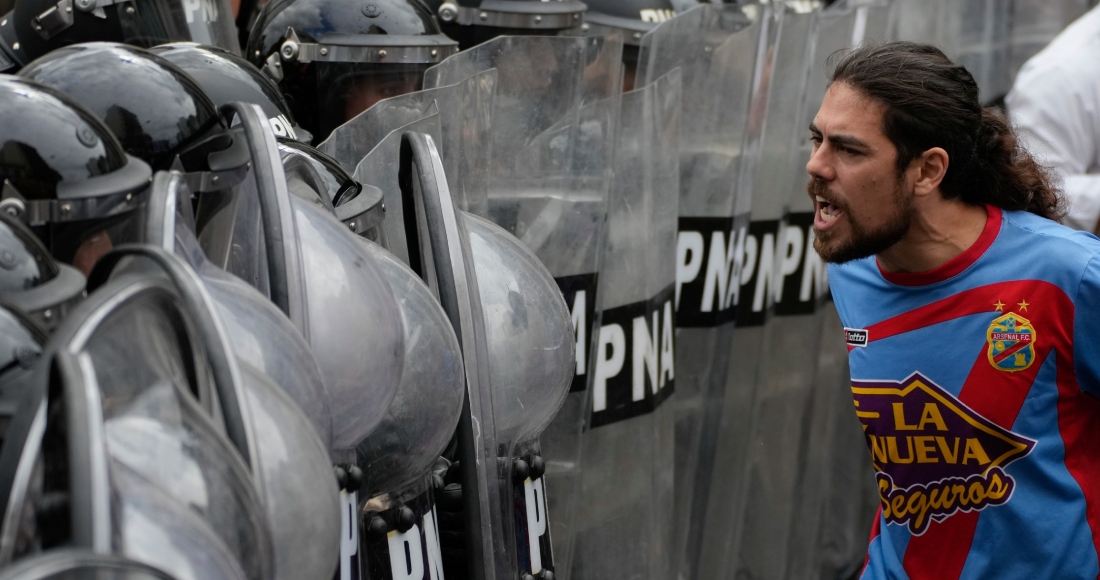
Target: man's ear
928	170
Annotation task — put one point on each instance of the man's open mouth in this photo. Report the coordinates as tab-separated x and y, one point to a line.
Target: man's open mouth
826	210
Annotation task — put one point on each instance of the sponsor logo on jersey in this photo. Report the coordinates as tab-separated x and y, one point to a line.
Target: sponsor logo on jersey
855	336
1011	339
934	456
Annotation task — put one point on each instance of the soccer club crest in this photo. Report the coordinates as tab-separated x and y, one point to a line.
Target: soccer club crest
1011	341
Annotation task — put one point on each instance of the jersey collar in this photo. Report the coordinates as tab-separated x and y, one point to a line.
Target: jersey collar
956	265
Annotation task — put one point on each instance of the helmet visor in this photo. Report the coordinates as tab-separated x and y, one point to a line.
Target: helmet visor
345	89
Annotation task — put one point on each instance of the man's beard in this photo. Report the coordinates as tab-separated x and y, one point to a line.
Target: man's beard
861	241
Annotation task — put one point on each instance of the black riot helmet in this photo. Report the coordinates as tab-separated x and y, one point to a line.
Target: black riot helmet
226	77
630	19
31	280
35	27
333	59
155	109
159	113
472	22
62	172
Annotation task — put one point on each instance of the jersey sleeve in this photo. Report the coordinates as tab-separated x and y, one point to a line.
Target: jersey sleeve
1086	339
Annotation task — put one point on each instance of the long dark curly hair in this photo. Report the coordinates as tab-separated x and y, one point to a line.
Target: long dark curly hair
933	102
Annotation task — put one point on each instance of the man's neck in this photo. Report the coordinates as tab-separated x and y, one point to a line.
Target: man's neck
941	230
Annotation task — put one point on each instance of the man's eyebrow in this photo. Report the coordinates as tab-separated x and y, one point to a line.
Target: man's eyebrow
846	140
849	141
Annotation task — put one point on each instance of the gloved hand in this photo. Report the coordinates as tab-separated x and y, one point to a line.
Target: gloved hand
452	523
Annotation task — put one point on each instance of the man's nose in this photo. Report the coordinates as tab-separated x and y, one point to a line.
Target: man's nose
819	165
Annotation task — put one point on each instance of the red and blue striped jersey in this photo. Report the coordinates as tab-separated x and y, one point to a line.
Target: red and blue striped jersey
977	386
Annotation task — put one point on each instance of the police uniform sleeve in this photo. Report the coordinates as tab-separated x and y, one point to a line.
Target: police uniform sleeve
1055	107
1086	341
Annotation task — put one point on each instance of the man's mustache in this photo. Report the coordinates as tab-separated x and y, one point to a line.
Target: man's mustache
817	187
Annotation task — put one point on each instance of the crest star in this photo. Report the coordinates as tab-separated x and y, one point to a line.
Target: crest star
1000	306
1023	305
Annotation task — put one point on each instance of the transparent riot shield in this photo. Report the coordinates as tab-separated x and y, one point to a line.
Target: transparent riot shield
381	167
991	38
395	534
120	445
978	33
973	33
547	180
850	494
1034	23
73	564
261	335
784	493
289	463
519	355
772	123
316	272
715	47
370	144
624	518
401	533
464	107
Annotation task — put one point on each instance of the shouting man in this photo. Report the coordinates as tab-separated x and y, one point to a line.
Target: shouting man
969	313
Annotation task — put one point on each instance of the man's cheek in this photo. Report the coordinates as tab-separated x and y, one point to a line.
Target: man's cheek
90	251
